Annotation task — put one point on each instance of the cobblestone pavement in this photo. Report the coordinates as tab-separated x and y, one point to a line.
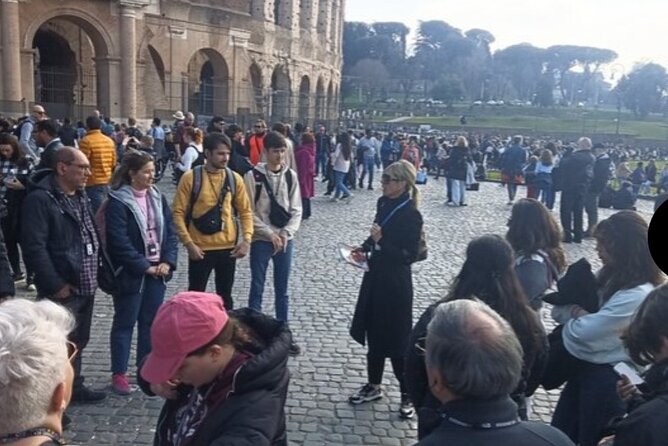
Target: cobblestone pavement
323	294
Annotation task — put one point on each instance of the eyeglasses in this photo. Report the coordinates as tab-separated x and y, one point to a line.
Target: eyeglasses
386	179
421	346
72	350
79	166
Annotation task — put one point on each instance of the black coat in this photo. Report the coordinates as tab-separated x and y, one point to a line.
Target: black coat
647	423
6	280
467	421
601	173
577	171
384	310
255	412
51	236
458	163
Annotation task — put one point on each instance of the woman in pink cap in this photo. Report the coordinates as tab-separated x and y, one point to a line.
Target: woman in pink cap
224	376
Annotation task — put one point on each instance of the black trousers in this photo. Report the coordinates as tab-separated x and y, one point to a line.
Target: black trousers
81	308
224	266
571	212
376	366
306	208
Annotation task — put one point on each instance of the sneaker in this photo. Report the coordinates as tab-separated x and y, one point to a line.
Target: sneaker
31	286
451	203
19	277
510	202
327	194
86	395
334	199
406	410
463	204
294	349
347	198
120	384
365	394
370	187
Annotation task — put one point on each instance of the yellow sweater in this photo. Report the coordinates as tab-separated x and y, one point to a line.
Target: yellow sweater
208	197
101	153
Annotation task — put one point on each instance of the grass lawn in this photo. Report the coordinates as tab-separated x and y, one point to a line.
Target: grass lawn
651	129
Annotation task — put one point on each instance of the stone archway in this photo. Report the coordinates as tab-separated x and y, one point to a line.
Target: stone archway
280	94
320	99
304	112
258	101
208	83
331	107
70	64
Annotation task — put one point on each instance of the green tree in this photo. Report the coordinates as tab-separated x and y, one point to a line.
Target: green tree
642	90
447	89
522	66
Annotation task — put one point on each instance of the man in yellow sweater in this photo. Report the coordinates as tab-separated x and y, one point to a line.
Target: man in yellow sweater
206	222
101	153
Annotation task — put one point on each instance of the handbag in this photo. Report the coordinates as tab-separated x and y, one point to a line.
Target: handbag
106	274
421	177
474	187
278	216
423	251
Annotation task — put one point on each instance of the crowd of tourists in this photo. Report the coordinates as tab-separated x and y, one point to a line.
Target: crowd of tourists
86	214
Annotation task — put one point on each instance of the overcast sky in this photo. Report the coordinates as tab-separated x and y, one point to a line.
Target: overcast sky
637	30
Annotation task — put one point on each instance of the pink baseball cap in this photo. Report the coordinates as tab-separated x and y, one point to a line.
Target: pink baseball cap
184	323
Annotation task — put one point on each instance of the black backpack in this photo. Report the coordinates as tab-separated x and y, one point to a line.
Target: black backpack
259	180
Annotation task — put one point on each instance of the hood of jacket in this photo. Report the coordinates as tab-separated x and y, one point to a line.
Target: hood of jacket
41	179
125	195
268	367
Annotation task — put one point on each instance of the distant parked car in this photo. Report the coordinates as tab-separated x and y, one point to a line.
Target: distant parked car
391	101
477	102
491	102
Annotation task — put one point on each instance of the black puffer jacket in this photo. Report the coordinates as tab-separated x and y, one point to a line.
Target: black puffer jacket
50	235
647	422
255	412
577	171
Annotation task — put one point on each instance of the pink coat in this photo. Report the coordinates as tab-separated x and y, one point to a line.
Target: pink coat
305	157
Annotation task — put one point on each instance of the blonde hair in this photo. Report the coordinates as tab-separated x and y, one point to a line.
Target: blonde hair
199	136
461	142
404	171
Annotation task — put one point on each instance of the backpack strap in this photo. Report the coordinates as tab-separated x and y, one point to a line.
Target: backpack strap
261	179
194	193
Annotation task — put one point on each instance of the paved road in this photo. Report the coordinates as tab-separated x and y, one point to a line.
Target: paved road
323	293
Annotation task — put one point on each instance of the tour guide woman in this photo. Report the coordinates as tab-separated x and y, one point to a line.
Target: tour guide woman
384	311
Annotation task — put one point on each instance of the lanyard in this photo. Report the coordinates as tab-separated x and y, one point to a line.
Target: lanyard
391	214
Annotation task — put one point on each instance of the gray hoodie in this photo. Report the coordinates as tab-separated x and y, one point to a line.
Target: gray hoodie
290	200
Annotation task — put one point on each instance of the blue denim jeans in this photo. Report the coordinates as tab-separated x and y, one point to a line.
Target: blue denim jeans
96	194
260	254
368	166
587	403
458	191
341	189
129	309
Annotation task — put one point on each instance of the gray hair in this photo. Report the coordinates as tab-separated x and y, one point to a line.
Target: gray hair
584	143
474	349
33	360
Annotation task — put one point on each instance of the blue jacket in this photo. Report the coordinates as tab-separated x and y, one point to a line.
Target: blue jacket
513	159
125	231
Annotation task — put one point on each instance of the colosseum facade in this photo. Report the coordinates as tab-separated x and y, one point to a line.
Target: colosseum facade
280	59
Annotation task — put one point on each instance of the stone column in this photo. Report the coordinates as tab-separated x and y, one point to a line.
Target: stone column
128	62
11	51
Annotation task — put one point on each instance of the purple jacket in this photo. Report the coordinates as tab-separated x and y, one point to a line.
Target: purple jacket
305	157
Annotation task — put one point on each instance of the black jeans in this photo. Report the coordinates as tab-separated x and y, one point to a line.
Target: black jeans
306	208
81	308
571	210
224	266
591	207
376	366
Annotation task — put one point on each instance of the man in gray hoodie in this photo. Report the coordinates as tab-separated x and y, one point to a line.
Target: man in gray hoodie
273	189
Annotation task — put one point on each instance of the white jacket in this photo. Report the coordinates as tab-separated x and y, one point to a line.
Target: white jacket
595	337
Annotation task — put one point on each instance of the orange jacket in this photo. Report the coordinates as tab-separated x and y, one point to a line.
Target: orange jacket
256	144
101	153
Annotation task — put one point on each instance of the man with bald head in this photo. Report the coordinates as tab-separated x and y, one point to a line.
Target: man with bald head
60	244
26	139
474	360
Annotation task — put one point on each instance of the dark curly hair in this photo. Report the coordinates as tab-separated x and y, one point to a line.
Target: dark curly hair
628	264
531	228
646	333
489	274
